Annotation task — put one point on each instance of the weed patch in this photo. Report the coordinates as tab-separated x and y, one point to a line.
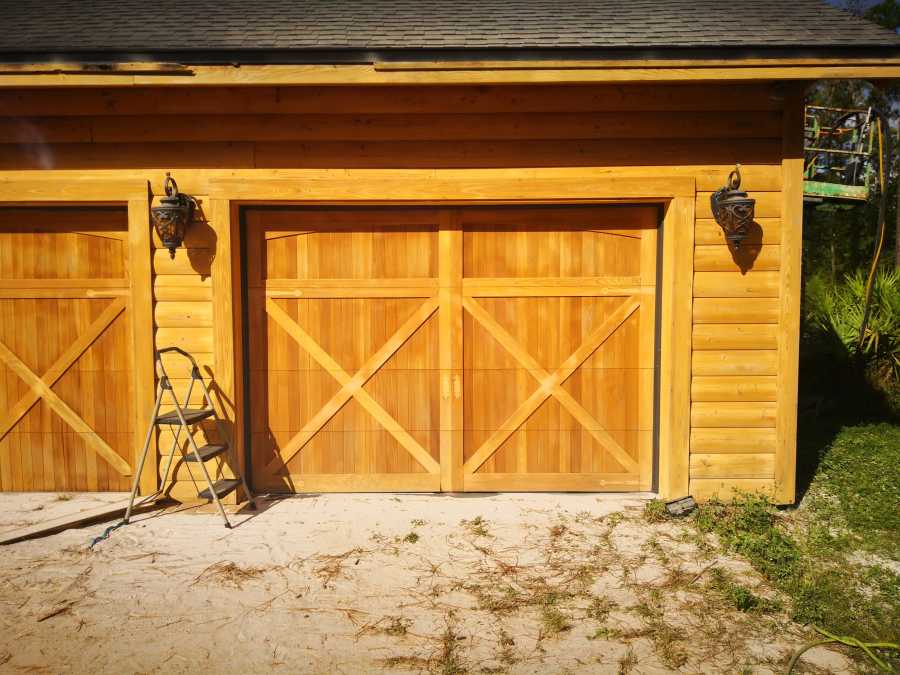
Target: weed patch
800	556
477	527
655	511
747	526
737	595
553	620
600	608
449	659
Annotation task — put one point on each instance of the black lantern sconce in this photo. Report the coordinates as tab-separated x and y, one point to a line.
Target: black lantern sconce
733	209
172	216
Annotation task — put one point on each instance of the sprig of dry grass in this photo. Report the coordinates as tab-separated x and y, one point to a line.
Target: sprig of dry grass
227	573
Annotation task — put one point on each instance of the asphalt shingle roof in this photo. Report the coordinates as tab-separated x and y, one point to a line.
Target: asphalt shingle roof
155	26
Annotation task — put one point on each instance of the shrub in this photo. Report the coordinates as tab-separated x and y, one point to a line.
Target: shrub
836	313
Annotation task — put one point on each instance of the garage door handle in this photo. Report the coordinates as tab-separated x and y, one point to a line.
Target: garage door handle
457	386
445	387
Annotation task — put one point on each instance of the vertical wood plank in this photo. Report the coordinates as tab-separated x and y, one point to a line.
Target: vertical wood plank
675	337
450	262
789	290
646	355
226	317
141	310
237	319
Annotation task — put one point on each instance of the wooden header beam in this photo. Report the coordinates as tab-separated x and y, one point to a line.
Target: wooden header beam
437	73
761	177
438	187
26	191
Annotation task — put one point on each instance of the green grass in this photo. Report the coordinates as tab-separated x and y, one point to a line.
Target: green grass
833	556
741	597
858	485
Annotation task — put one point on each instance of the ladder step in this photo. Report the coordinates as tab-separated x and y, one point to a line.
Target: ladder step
221	488
206	452
191	416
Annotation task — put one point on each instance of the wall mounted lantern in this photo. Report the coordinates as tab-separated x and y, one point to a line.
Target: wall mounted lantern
733	209
173	215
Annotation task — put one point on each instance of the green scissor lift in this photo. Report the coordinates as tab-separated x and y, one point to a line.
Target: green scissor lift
838	146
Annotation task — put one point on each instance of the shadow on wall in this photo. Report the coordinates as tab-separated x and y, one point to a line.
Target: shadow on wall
268	472
199	230
745	256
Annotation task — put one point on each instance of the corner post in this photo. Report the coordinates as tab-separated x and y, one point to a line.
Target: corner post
789	296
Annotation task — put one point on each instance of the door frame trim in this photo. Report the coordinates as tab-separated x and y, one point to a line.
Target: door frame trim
389	187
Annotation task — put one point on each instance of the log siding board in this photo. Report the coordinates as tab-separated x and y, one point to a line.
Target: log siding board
728	423
391	154
733	414
705	489
731	466
372	100
733	388
735	336
733	285
722	258
337	126
748	310
737	362
706	440
183	314
769	231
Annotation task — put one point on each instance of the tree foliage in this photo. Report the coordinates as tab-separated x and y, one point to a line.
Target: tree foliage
839	238
885	14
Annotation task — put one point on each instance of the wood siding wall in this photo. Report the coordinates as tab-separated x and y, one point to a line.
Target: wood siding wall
739	351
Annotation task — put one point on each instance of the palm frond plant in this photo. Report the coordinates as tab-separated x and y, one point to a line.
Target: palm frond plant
837	311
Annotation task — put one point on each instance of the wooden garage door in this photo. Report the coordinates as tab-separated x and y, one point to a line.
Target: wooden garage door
343	349
66	403
558	348
458	349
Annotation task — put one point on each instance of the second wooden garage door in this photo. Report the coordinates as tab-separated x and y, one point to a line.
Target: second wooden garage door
66	367
431	349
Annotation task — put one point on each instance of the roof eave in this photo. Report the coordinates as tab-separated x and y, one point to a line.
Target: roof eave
400	67
340	56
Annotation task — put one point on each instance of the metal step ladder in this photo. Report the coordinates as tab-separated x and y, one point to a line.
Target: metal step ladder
183	418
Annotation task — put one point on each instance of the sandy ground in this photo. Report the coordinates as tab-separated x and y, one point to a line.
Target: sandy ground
384	583
18	510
